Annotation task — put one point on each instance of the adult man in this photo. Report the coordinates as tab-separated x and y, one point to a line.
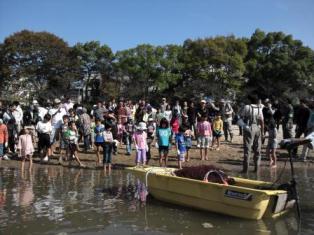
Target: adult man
99	111
85	128
301	118
57	113
202	111
287	121
268	114
18	115
226	112
163	105
40	110
252	123
68	104
212	110
309	129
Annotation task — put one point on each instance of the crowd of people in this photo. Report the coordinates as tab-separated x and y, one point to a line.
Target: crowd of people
60	126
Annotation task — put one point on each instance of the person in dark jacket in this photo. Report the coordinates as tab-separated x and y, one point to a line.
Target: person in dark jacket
301	118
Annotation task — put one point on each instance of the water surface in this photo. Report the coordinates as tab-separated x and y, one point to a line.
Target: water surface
57	200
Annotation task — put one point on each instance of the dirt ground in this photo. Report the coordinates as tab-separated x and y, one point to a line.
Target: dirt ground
229	157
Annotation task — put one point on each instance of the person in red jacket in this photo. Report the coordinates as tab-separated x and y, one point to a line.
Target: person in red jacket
4	137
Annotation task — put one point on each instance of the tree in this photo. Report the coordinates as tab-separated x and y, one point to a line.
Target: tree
279	66
95	65
137	69
213	66
35	61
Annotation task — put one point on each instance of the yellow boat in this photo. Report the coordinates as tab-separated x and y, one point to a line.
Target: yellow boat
243	199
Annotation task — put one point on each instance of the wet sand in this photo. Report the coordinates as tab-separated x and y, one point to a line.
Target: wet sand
229	157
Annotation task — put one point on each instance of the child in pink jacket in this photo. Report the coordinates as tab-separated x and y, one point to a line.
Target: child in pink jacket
26	147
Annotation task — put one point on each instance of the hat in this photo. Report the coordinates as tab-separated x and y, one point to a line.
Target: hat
141	126
222	101
150	119
56	101
266	100
203	101
35	102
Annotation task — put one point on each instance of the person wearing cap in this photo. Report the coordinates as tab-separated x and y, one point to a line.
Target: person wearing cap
4	139
56	113
202	110
38	112
140	141
226	112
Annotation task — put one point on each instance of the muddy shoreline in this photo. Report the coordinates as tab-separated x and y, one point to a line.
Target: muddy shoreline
229	158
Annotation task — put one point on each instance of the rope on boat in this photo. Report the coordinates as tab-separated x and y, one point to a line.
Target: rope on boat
155	170
217	173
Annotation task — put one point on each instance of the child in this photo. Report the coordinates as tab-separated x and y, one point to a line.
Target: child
108	145
25	147
140	141
272	144
120	131
99	139
4	137
128	133
181	147
151	127
163	135
175	123
217	130
188	135
205	133
63	141
72	138
44	130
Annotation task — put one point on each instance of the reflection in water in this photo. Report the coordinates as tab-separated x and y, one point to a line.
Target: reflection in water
56	200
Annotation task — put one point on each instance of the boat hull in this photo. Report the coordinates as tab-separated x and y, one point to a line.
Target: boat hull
244	202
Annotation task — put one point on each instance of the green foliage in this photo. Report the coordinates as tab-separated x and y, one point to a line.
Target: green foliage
279	66
217	63
36	62
94	63
269	64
